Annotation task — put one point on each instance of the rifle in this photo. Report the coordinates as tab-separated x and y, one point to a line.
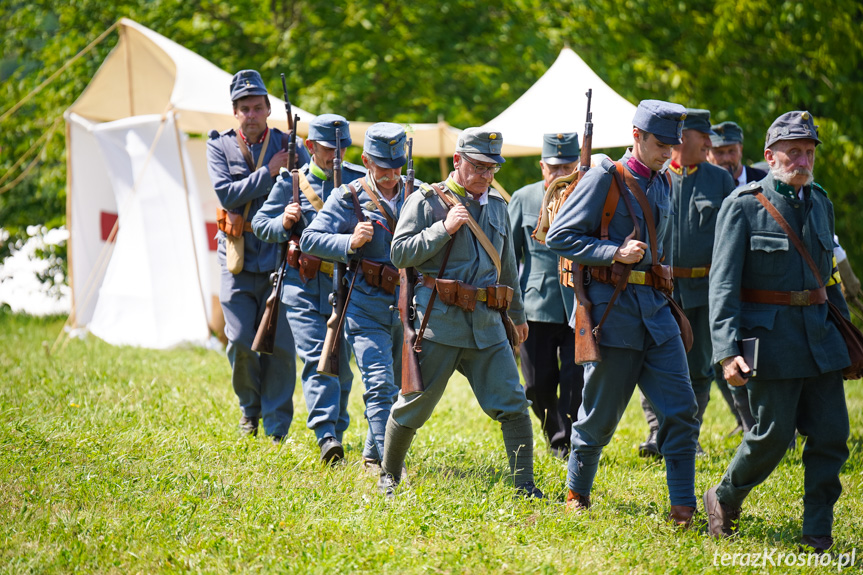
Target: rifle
586	345
265	337
331	355
412	379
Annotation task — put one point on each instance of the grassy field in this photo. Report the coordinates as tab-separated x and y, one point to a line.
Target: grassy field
120	460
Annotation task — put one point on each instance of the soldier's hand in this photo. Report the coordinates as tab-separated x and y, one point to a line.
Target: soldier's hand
291	216
521	330
277	162
630	251
735	370
456	218
362	235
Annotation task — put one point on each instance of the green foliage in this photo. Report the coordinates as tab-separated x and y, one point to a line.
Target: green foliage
121	460
466	62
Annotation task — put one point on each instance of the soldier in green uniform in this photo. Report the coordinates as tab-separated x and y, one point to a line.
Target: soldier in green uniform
762	287
465	331
697	191
548	354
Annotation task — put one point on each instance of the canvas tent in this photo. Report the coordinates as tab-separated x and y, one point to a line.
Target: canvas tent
557	103
140	207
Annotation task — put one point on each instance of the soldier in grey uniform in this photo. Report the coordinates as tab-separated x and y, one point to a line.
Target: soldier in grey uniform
372	323
761	287
308	281
472	342
697	190
727	152
547	356
264	384
640	342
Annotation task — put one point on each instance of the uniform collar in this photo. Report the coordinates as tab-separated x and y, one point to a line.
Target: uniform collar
248	143
679	170
461	191
317	171
636	165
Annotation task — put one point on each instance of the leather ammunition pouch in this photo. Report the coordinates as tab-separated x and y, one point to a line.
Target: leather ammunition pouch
230	223
499	297
389	279
372	272
309	266
294	252
658	277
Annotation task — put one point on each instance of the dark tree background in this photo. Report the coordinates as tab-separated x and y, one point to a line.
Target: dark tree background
464	61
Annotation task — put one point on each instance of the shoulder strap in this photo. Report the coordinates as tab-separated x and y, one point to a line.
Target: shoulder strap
358	211
247	155
611	201
374	196
641	198
783	223
474	227
309	192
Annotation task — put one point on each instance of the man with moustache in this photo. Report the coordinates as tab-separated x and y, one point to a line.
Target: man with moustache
547	356
372	325
762	287
727	152
640	340
243	164
465	325
697	191
308	280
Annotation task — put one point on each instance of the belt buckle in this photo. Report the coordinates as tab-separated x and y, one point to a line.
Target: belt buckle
799	298
482	294
637	277
699	272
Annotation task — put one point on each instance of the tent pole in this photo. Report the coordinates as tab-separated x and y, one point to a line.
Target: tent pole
441	151
124	36
181	149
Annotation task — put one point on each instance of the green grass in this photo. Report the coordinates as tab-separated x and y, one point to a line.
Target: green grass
120	460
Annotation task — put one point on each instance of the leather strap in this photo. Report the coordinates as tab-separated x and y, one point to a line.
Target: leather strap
795	298
693	273
783	223
421	332
474	227
247	155
602	274
391	223
608	208
310	193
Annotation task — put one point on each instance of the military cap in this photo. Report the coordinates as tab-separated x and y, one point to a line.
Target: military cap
247	83
698	120
385	145
481	145
662	119
561	148
725	134
323	130
797	125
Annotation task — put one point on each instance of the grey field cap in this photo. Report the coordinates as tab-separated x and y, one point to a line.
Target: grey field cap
481	144
725	134
796	125
247	83
662	119
698	120
560	148
385	145
323	130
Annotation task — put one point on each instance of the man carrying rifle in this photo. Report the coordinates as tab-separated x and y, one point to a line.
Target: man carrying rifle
356	226
640	340
308	280
243	164
469	272
547	355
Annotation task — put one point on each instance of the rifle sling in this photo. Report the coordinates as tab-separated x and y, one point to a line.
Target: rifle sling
427	314
474	227
391	222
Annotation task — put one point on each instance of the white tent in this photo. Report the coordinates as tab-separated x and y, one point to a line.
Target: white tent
557	103
125	136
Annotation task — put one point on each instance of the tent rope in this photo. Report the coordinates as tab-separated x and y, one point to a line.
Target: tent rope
47	138
59	71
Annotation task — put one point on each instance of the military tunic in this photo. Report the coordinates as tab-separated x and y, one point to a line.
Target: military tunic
640	339
472	342
799	382
372	323
548	306
308	304
264	384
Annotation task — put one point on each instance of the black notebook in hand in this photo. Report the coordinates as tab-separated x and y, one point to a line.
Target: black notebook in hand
749	351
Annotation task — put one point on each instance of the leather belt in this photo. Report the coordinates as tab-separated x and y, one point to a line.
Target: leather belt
690	272
796	298
602	274
481	293
247	226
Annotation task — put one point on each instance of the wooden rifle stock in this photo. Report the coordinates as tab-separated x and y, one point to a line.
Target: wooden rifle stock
586	346
412	378
265	336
